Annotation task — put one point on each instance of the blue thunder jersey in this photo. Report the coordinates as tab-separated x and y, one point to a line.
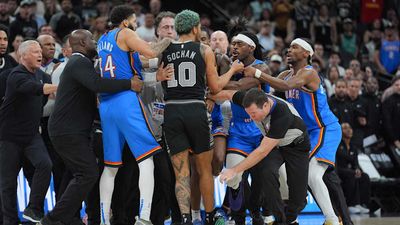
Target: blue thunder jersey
240	115
111	55
390	55
312	106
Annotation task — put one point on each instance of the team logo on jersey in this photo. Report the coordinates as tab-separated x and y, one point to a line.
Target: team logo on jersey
294	93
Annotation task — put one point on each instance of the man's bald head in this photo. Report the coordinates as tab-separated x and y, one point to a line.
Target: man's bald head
219	41
82	41
48	45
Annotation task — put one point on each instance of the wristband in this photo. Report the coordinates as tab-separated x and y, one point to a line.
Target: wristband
153	63
257	74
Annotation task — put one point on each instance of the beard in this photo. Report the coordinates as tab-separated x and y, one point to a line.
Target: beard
131	27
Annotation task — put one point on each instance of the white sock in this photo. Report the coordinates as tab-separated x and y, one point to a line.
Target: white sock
232	160
196	215
315	173
146	187
106	190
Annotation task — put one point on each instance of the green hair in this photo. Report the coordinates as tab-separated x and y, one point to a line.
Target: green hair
185	21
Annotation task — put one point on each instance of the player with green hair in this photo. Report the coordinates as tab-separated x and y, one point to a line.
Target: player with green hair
185	115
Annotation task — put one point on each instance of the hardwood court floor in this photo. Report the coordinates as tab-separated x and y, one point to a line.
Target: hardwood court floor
357	219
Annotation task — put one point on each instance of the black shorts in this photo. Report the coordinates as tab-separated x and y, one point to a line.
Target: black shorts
186	126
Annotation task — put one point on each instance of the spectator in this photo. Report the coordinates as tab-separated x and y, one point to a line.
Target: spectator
354	97
99	27
390	113
333	75
334	60
356	67
266	36
258	6
35	12
373	42
88	12
155	7
300	21
147	30
51	8
103	8
65	21
371	10
349	74
373	107
355	183
388	57
282	10
219	42
339	104
15	44
319	54
24	24
19	134
137	7
323	28
275	65
5	17
348	39
279	45
12	6
206	22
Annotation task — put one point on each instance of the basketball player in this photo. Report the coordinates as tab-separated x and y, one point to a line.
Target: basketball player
244	136
122	115
304	90
185	116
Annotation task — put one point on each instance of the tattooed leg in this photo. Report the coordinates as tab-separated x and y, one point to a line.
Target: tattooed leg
206	179
180	163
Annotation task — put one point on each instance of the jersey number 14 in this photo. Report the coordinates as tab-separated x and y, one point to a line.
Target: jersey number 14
108	67
186	75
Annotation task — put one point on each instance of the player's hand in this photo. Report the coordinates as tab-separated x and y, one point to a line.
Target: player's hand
226	175
210	105
164	73
237	66
136	84
249	71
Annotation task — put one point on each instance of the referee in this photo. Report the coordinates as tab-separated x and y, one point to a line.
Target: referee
281	126
71	122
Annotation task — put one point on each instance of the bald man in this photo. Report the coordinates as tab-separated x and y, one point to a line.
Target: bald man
219	42
48	45
71	121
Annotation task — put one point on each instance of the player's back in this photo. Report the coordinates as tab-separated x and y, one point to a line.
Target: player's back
189	81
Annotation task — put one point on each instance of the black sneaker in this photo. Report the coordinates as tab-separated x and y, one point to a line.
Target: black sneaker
32	215
47	221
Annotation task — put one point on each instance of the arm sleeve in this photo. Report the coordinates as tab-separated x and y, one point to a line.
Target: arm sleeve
85	74
280	122
25	85
238	97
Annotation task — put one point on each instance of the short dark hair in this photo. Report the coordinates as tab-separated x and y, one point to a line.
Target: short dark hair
120	13
4	28
255	96
341	80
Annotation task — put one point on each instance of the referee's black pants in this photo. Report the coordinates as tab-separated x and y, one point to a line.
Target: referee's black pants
80	160
295	158
11	156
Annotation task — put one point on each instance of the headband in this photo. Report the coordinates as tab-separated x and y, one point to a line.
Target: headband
245	39
302	43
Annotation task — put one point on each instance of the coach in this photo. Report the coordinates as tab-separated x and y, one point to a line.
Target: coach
20	116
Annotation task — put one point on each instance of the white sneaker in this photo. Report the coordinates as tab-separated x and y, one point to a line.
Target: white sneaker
354	210
269	220
363	210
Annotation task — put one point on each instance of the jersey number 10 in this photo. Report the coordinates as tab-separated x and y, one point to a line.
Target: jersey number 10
108	67
186	75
